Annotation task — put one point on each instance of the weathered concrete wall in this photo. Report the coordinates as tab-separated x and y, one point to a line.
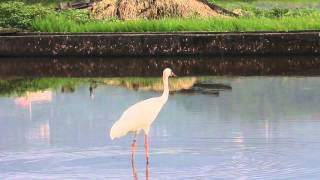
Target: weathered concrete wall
160	44
153	66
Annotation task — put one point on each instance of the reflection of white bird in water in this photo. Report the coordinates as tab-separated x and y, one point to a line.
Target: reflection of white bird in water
141	115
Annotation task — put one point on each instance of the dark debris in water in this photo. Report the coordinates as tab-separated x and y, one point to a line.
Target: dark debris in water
212	85
199	91
206	87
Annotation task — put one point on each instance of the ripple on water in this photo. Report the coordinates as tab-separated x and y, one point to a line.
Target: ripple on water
224	162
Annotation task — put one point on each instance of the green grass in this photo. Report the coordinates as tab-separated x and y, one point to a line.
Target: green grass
40	18
58	23
20	15
254	19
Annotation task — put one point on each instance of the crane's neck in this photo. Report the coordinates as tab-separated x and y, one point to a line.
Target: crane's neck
165	93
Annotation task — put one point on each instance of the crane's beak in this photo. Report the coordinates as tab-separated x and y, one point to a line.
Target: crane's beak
173	74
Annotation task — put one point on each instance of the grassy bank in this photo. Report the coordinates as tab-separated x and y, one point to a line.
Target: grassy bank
54	23
37	17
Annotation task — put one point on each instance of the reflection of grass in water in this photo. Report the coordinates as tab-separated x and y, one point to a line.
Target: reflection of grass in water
18	87
151	83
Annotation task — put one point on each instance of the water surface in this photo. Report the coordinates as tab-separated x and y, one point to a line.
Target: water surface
264	128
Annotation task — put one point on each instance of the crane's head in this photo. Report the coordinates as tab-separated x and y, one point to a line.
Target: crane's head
167	72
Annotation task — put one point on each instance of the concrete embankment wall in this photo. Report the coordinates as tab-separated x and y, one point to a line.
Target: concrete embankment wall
160	44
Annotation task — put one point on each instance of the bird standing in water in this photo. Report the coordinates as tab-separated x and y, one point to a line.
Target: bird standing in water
141	115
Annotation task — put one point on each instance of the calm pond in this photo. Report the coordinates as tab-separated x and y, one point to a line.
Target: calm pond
245	128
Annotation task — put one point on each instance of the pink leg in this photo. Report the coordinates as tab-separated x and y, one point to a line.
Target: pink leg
133	146
147	171
146	146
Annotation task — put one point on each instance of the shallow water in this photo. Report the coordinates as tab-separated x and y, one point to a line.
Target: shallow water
264	128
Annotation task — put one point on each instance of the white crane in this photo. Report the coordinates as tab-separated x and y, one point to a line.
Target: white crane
141	115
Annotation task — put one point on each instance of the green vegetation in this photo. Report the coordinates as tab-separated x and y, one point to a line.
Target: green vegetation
20	15
254	19
49	24
37	17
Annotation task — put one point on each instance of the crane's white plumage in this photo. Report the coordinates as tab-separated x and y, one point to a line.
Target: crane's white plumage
137	117
140	115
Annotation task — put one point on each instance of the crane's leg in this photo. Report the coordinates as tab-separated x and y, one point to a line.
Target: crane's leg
147	171
146	146
133	145
134	173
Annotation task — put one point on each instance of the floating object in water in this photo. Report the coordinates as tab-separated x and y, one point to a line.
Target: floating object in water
141	115
206	87
212	85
